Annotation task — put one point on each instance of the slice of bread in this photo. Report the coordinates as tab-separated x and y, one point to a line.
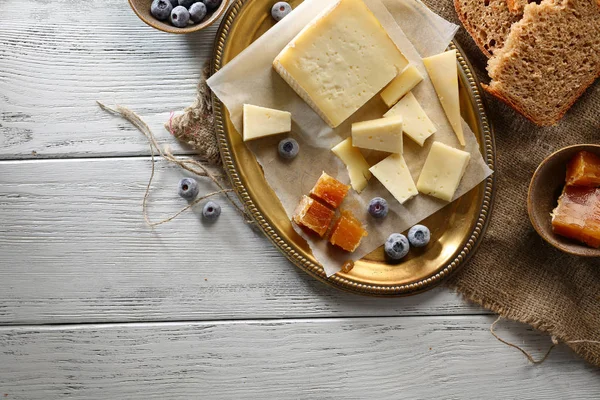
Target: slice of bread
487	21
548	60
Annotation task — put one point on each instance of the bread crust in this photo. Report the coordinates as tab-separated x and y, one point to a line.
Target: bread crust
500	96
516	7
470	29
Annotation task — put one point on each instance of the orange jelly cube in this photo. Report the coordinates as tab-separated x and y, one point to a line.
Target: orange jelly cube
577	215
313	215
329	190
347	232
584	170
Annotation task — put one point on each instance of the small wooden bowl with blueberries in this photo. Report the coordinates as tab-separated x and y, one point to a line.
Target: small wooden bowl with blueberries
179	16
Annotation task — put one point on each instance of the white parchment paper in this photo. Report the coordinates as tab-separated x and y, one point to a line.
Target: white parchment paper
250	78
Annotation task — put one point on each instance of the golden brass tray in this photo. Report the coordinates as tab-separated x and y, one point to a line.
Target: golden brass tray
457	229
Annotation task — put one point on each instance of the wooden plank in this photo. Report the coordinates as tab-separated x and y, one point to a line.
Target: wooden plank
376	358
74	248
57	59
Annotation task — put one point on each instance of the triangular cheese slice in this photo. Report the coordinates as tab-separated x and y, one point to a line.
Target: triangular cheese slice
384	134
415	123
443	71
260	122
393	173
357	166
402	84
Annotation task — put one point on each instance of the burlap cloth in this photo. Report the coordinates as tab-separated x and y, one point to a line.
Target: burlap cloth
514	273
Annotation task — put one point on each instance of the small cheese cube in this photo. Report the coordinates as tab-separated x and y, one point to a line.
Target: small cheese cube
443	171
384	134
415	123
443	72
394	174
340	60
402	84
357	166
261	121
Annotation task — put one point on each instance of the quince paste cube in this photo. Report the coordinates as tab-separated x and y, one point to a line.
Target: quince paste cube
313	215
577	215
584	170
347	232
329	190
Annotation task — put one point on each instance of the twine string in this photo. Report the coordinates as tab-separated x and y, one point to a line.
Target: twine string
200	170
189	165
531	359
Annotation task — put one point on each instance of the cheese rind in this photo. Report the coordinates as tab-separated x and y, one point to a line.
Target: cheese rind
340	60
443	171
402	84
415	123
443	72
357	166
261	122
384	134
393	173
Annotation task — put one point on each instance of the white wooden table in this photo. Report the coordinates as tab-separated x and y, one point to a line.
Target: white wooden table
95	305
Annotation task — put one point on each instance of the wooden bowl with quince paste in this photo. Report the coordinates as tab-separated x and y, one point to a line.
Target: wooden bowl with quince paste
545	188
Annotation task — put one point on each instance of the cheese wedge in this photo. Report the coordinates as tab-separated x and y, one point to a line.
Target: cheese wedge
340	60
402	84
357	166
260	122
384	134
415	123
394	174
443	72
443	171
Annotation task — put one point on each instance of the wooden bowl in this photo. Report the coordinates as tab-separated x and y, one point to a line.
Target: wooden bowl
142	10
545	188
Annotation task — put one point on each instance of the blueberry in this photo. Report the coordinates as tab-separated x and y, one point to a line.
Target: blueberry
288	148
197	11
211	211
188	188
161	9
180	17
396	246
378	207
280	10
187	3
212	4
174	3
419	236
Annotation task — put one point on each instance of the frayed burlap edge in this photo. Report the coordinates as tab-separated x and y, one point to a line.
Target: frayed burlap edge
195	126
578	346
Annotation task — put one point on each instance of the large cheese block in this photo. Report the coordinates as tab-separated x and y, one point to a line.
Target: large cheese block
261	121
443	171
443	71
384	134
415	122
394	174
357	166
402	84
340	60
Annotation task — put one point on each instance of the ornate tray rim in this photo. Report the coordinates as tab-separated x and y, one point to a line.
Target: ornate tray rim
317	270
